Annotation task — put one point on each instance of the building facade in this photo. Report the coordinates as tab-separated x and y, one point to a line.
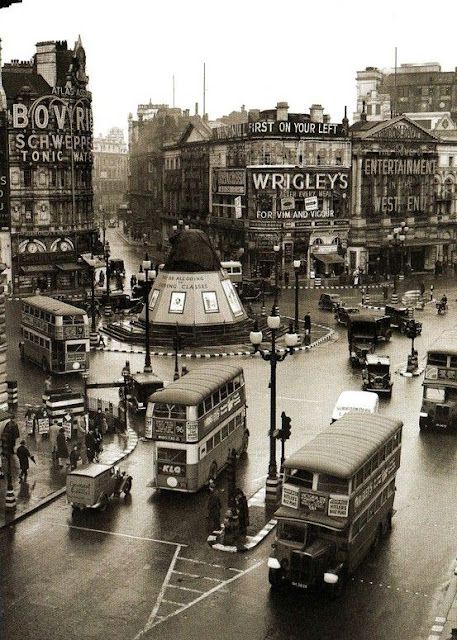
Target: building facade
110	174
278	178
396	177
156	126
49	131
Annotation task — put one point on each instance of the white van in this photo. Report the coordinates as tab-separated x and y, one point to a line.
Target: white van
361	401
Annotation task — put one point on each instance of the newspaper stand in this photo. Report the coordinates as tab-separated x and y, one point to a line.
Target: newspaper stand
30	420
42	422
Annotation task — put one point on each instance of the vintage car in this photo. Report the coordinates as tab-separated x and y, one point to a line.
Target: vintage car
376	374
400	316
343	312
116	266
329	301
92	485
365	331
140	387
355	401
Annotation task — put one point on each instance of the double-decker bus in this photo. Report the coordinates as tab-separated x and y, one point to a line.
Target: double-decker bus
195	423
439	402
55	335
337	501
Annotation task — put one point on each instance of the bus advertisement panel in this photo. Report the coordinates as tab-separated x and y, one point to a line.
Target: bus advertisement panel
439	402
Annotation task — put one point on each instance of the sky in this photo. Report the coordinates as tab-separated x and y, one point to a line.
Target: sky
256	53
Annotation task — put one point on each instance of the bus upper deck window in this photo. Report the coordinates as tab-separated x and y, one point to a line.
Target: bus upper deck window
301	477
161	410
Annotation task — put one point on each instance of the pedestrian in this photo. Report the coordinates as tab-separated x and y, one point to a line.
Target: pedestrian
214	508
47	385
109	421
53	433
90	445
10	435
98	440
286	279
74	457
422	288
101	341
243	511
122	435
104	425
62	449
98	418
431	292
24	455
307	327
81	438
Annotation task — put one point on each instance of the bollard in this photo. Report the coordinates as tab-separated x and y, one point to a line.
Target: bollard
12	393
108	311
394	298
10	500
93	339
317	282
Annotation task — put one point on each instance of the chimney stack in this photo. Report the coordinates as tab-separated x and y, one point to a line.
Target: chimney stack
46	61
282	109
316	113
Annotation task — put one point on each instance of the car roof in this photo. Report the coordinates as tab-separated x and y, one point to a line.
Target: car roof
362	399
373	358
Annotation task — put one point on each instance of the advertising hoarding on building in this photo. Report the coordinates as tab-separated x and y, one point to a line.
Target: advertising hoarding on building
5	221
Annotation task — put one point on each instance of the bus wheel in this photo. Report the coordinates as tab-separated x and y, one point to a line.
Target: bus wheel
213	471
274	578
104	502
244	443
377	539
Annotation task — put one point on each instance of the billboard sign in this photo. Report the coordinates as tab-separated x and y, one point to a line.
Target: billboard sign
229	181
4	176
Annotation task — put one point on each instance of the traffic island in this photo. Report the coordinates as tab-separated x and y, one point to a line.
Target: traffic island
261	524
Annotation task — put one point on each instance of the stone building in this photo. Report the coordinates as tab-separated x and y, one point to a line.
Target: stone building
278	178
110	174
395	178
155	126
50	213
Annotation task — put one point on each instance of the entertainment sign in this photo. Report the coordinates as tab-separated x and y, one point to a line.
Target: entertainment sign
229	181
281	128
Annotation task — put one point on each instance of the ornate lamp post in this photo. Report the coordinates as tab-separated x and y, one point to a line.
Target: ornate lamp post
297	264
143	277
397	239
126	376
273	356
276	249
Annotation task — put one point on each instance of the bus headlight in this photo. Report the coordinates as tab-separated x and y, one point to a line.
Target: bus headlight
330	578
76	366
273	563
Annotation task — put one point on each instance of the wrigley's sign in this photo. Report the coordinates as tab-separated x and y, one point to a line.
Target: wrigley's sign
299	181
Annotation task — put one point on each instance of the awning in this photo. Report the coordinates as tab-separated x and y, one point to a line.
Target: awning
69	266
329	258
36	268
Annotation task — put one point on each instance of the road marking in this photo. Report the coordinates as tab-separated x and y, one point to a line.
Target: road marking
155	620
152	618
210	564
114	533
177	586
177	604
196	575
258	393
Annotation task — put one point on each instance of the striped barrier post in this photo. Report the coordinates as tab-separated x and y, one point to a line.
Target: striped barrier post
12	394
93	339
367	298
108	310
317	282
10	498
394	298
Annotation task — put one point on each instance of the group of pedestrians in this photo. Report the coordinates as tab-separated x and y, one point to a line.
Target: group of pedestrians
239	510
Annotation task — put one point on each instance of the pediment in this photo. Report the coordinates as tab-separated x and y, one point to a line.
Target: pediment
400	128
445	123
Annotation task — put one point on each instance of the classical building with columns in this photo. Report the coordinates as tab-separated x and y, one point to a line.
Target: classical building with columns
395	178
50	211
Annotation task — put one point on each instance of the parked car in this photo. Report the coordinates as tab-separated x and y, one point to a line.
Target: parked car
400	317
365	331
342	313
249	291
119	301
358	401
376	374
329	301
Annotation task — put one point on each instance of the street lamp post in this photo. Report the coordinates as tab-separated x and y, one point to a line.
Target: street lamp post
143	276
176	346
107	254
296	269
126	375
273	357
397	239
276	249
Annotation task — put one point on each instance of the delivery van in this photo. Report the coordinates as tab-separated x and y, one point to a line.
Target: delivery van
359	401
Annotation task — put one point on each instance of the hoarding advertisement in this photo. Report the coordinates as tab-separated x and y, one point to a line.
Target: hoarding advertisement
5	222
